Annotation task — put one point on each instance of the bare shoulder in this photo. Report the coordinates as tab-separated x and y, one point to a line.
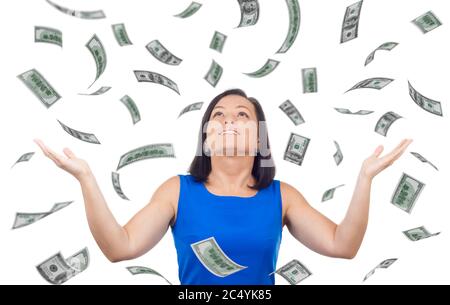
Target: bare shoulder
290	194
169	190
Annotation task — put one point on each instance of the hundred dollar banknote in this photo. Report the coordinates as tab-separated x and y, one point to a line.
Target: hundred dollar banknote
97	50
132	108
427	22
294	272
57	270
99	91
383	265
385	122
329	194
159	150
249	12
98	14
121	34
218	41
338	156
387	46
47	35
309	78
83	136
40	87
418	233
190	10
116	184
291	111
162	54
359	112
156	78
350	23
296	149
191	107
372	83
268	68
214	259
24	158
423	159
134	270
294	25
406	193
214	73
424	102
25	219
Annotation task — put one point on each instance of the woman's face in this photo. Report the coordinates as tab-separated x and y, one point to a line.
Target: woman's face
232	129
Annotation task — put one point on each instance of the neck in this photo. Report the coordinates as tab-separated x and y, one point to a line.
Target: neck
230	172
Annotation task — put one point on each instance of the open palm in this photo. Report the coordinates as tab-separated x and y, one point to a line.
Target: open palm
373	165
70	163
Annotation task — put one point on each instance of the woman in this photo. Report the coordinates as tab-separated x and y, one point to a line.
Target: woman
231	195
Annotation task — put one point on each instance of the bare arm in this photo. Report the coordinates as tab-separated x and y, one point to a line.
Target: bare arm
321	234
141	233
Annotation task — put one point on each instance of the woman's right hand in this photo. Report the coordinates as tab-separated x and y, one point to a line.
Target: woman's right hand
75	166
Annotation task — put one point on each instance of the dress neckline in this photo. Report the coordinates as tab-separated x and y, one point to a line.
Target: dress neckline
227	196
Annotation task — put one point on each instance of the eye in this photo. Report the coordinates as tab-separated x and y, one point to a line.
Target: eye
243	113
215	114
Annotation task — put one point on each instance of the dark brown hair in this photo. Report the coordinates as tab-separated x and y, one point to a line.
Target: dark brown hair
201	165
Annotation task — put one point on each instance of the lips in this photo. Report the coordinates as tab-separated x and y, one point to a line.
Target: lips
229	131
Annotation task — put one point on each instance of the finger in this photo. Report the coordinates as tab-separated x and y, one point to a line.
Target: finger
396	153
69	153
378	151
58	159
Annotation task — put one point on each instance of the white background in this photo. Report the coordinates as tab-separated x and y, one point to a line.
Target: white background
36	185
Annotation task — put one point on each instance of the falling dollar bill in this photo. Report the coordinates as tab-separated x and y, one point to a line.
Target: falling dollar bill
190	10
121	34
134	270
387	46
214	73
268	68
25	219
79	14
291	111
132	108
191	107
47	35
40	87
418	233
83	136
338	156
425	103
329	194
347	111
296	149
57	270
309	78
214	258
162	54
249	12
351	21
294	25
24	158
383	265
427	22
153	77
294	272
421	158
100	91
97	50
385	122
406	193
218	41
116	184
372	83
159	150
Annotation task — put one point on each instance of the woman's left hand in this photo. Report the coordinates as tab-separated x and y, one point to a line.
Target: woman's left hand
373	165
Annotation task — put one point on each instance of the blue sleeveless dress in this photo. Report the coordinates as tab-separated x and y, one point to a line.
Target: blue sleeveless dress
248	230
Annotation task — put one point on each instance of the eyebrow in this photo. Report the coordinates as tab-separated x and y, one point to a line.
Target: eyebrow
238	106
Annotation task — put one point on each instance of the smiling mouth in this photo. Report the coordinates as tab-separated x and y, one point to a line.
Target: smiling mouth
229	132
